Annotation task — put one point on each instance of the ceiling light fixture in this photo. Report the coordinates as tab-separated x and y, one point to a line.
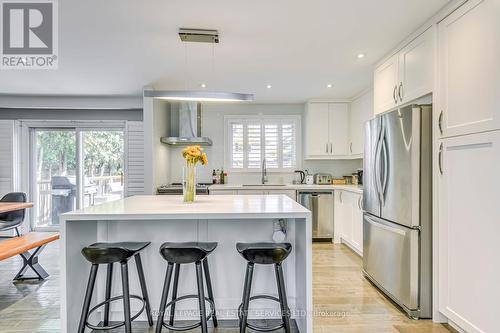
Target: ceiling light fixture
360	56
198	96
198	36
329	85
269	86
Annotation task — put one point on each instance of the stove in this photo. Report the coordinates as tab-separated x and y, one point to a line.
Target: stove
176	189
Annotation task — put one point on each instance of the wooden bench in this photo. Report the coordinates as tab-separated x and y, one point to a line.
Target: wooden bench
21	246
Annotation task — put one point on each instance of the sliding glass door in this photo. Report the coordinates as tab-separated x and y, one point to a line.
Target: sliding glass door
74	168
54	176
102	167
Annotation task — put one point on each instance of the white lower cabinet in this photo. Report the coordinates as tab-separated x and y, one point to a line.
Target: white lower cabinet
469	231
349	220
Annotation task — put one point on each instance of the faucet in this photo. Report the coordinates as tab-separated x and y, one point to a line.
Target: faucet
264	172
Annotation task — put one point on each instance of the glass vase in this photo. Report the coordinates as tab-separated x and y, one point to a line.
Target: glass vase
189	182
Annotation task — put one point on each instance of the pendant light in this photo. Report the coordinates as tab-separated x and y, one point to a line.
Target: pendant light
198	36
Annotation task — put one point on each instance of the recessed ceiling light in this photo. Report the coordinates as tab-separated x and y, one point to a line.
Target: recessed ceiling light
329	85
269	86
203	85
360	56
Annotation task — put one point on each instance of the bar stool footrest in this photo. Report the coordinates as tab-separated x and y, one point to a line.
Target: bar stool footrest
259	328
192	326
120	324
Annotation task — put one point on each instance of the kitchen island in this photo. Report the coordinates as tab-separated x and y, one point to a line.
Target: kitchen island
226	219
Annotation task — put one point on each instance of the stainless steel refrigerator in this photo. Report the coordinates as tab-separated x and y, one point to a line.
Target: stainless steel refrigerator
397	203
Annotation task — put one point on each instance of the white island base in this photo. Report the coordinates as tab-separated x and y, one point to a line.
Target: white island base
226	219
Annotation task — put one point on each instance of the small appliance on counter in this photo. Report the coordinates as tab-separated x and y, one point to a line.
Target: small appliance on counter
322	179
299	177
309	178
360	176
355	179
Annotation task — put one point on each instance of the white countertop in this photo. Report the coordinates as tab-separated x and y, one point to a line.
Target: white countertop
161	207
296	187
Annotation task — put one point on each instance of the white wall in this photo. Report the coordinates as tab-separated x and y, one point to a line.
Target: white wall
213	127
156	154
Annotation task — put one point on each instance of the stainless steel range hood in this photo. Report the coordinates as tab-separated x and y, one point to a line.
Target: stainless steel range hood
185	125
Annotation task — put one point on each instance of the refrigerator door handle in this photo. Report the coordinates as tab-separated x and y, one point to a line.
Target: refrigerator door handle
384	152
377	172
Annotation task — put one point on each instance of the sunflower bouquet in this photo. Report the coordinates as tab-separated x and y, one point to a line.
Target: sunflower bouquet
192	155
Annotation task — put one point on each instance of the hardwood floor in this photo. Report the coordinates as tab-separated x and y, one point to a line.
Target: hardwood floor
350	303
344	301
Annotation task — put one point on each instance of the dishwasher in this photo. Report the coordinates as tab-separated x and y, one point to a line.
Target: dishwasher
321	206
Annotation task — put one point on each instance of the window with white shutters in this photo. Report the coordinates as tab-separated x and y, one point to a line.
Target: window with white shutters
249	139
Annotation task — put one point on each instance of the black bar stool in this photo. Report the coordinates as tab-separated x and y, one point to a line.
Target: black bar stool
110	253
264	254
187	253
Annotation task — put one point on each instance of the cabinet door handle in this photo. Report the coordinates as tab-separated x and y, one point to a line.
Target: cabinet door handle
326	148
340	196
394	94
331	148
350	147
440	158
400	91
440	122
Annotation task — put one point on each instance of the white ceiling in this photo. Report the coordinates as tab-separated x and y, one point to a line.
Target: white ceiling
299	46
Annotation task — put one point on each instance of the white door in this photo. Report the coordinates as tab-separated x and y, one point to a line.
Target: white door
361	111
317	140
469	231
385	85
469	72
416	68
339	129
357	223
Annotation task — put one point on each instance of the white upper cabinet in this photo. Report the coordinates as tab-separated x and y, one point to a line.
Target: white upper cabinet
361	111
317	130
327	130
469	70
469	230
416	68
339	128
386	85
405	76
